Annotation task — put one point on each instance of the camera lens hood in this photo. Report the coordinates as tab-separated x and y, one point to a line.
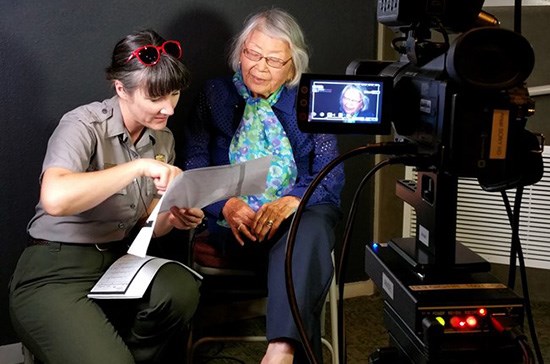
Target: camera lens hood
490	58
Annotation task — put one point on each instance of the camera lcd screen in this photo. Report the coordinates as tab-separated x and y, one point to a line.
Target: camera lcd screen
344	104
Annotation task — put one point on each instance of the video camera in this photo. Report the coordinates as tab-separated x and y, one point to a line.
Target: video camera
463	101
460	100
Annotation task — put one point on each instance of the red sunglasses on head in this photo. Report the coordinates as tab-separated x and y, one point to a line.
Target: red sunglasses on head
149	55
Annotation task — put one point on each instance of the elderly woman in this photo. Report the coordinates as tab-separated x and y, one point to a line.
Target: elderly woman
250	115
353	103
105	166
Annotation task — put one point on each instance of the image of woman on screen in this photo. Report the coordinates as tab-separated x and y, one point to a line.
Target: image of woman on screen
354	104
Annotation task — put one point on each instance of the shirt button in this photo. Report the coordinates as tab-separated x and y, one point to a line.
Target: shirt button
133	206
121	225
104	111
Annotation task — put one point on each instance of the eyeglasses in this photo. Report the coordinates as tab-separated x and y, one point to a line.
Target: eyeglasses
271	61
345	98
149	55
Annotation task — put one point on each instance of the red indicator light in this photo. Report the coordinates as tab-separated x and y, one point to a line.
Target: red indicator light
462	323
457	322
471	321
482	312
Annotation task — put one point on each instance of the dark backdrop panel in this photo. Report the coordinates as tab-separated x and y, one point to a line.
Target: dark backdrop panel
54	54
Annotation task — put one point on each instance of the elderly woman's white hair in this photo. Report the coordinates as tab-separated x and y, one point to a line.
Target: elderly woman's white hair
278	24
359	90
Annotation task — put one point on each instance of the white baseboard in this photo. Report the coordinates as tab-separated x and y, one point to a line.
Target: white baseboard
11	354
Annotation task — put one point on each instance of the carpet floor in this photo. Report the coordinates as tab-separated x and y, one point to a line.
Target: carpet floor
364	333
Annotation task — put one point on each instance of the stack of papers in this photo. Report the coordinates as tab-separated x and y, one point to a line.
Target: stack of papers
130	275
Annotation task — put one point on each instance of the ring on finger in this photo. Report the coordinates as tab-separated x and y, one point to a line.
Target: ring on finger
240	226
269	223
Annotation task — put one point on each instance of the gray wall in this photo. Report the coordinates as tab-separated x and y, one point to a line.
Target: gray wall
53	57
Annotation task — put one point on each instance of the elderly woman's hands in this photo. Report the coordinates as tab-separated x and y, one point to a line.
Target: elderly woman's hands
272	214
264	223
240	217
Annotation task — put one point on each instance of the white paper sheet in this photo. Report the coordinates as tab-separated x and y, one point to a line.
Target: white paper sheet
129	277
201	187
141	241
131	274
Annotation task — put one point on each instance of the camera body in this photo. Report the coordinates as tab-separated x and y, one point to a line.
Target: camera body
462	102
470	129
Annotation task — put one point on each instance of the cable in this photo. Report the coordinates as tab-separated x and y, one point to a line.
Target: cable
344	258
379	148
345	251
513	253
517	251
526	350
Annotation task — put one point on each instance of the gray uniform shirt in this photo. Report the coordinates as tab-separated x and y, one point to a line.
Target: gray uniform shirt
92	138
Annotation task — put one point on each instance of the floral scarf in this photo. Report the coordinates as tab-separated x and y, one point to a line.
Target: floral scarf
261	134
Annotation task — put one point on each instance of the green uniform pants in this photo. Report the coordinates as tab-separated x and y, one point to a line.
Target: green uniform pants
54	318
